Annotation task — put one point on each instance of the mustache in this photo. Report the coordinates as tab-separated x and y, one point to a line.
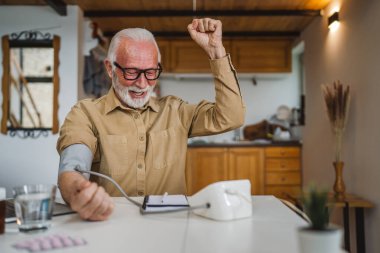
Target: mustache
136	89
116	83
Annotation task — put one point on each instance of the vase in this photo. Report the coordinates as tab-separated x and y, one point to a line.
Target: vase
339	187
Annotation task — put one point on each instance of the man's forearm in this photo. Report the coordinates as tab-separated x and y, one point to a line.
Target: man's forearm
229	106
217	53
66	183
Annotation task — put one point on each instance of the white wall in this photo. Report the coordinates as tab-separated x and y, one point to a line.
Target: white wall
262	100
352	55
36	161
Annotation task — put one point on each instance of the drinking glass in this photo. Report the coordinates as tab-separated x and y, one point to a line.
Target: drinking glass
34	206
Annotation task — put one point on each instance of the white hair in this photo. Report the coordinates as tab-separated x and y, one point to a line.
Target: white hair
135	34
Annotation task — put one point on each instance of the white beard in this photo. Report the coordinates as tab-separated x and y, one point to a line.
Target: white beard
123	93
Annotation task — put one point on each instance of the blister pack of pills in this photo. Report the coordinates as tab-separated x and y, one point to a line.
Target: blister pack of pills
50	242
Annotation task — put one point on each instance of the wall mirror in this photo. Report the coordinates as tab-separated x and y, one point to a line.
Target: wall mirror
30	84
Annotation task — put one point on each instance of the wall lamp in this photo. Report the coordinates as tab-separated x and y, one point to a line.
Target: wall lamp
333	21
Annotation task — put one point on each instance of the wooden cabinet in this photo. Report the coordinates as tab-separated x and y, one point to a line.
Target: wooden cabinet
248	55
164	46
205	166
208	165
188	57
183	56
247	163
283	171
262	55
271	170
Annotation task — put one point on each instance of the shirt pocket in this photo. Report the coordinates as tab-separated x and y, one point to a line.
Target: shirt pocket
165	145
114	154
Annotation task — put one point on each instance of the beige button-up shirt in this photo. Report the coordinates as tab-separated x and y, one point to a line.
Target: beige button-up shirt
145	150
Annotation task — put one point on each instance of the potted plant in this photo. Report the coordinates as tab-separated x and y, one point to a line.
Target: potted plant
320	236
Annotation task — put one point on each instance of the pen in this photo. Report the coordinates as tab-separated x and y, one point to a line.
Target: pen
163	197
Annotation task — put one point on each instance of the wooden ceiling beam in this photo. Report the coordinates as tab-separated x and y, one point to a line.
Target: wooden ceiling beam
199	13
58	5
225	34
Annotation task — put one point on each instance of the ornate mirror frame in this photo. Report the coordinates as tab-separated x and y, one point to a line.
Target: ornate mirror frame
28	39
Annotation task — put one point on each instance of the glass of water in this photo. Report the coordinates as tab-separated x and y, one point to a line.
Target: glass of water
34	206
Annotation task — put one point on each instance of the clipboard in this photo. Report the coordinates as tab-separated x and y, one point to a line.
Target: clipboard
162	203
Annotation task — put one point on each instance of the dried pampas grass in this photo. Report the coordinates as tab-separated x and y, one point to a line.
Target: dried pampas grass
337	99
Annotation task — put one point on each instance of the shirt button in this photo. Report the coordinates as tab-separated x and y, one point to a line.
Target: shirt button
139	166
137	116
142	138
140	193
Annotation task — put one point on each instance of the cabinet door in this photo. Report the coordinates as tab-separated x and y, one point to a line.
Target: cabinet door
188	57
262	55
205	166
248	163
164	46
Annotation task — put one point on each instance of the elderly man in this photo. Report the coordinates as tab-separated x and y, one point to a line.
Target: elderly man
139	140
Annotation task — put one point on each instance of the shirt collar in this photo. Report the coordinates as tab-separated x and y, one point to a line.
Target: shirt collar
153	104
113	102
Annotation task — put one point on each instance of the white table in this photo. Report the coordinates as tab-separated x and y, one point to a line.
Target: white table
272	228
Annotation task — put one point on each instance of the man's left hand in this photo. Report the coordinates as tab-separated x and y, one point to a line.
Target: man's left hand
207	33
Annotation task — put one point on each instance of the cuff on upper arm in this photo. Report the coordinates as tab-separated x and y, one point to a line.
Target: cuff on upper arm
75	155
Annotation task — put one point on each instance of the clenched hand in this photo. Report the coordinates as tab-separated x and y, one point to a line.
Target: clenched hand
207	33
85	197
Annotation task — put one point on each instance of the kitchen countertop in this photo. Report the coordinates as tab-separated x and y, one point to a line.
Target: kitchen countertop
256	143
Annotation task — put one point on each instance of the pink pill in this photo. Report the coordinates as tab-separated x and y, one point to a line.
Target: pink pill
79	241
45	245
34	247
56	243
42	240
67	242
20	246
